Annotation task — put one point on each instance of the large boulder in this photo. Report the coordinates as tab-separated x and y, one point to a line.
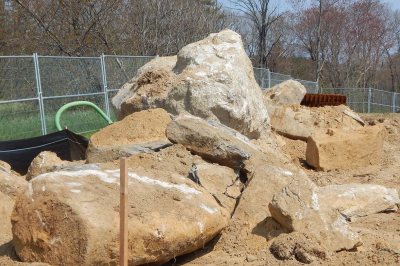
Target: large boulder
345	149
139	132
212	79
71	217
288	92
325	212
11	185
299	122
211	140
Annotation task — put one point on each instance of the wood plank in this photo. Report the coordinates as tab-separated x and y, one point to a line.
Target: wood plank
123	244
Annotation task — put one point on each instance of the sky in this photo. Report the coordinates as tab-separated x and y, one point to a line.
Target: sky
395	4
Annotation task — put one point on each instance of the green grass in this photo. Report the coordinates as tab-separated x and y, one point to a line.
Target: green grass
21	120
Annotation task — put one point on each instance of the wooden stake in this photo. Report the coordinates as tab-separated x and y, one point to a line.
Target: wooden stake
123	214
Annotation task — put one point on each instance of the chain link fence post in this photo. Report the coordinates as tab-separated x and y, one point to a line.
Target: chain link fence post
262	79
369	99
104	80
39	93
394	102
269	78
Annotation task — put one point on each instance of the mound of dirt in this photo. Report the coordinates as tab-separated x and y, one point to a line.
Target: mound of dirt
144	126
304	248
139	132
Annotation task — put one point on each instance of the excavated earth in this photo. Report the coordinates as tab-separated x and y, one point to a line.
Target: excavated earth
265	204
380	232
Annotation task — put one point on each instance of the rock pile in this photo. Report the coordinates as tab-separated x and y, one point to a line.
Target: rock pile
202	163
212	79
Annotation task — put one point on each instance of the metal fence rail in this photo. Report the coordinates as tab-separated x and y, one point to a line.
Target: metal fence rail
368	100
33	88
267	79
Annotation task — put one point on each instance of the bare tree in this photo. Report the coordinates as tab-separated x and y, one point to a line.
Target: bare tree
263	16
146	27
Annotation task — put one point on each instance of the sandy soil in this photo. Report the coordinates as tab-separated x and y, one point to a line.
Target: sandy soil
143	126
380	232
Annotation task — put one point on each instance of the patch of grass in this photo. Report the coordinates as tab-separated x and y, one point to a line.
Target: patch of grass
22	120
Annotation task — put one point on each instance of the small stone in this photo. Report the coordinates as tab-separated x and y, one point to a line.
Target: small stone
251	258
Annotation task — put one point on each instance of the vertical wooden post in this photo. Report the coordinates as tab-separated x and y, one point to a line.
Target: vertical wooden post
123	214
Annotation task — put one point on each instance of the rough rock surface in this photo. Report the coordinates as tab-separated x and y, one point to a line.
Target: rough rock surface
5	167
11	184
345	149
252	226
358	200
299	122
212	79
6	207
211	140
148	89
44	162
304	248
221	182
325	212
289	92
71	217
139	132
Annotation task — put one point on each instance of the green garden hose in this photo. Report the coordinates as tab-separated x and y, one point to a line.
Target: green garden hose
79	103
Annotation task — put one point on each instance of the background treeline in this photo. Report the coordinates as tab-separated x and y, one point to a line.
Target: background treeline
340	43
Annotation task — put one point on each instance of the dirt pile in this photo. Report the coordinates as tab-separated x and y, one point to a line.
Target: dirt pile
254	233
139	132
302	247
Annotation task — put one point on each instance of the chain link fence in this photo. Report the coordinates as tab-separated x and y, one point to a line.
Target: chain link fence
369	100
33	88
267	79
